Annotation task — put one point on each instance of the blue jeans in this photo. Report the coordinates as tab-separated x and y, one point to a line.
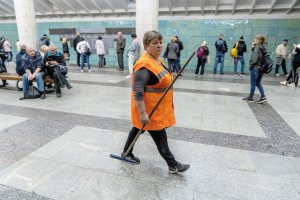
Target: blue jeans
39	80
255	78
219	59
87	58
241	59
178	63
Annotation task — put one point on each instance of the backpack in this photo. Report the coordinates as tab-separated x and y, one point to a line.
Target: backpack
200	52
234	51
221	46
87	50
265	64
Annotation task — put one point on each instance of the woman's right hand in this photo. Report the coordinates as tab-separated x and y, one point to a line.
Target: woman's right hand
145	118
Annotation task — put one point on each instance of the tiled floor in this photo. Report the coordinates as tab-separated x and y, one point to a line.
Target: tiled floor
59	148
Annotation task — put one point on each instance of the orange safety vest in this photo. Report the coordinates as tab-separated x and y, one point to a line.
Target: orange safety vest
163	116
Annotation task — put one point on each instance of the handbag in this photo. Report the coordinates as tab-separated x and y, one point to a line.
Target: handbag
63	69
32	93
104	61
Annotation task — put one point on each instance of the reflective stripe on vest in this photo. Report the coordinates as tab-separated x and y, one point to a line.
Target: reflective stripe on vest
162	73
156	90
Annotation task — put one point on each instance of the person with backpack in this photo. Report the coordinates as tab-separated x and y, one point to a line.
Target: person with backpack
259	50
292	79
84	49
281	54
221	49
202	54
241	49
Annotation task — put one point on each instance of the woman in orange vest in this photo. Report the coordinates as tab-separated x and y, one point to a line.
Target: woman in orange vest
151	78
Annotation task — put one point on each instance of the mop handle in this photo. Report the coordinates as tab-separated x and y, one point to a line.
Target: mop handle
157	104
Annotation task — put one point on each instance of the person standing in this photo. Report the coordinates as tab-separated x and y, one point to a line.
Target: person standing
7	49
180	45
281	53
150	78
120	50
65	47
242	48
173	49
75	43
133	54
203	58
18	45
100	49
221	49
258	51
84	49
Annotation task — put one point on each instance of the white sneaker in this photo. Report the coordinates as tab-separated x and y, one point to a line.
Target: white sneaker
81	70
283	83
291	85
277	75
90	70
129	76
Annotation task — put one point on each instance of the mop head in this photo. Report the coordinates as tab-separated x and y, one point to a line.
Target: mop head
127	159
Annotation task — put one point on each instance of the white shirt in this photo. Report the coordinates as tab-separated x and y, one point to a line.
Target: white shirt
99	46
81	46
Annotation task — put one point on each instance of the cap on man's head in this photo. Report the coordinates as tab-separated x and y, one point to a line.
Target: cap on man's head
176	36
44	34
133	35
242	37
286	40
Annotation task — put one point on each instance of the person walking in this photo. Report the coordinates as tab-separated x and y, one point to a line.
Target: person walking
202	57
258	51
291	79
120	50
100	50
281	53
133	54
150	77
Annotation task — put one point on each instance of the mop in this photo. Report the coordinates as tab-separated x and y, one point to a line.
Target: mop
124	157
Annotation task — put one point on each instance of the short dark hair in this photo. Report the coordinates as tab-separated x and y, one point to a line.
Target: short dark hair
99	38
81	39
133	35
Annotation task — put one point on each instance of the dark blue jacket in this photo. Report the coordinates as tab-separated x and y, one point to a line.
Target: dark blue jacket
32	63
19	69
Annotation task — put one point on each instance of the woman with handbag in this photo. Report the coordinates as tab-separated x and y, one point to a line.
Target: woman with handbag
100	49
202	54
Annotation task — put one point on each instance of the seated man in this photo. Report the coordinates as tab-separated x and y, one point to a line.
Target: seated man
19	69
3	57
33	64
55	65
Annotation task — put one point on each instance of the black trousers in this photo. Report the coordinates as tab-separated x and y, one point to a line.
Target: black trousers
201	63
78	59
283	64
120	59
161	141
292	75
59	78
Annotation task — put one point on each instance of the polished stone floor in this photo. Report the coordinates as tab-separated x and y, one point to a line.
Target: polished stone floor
59	148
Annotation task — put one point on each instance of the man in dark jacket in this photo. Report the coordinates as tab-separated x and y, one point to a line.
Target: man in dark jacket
221	49
240	56
32	62
180	45
44	40
120	50
22	52
54	62
75	42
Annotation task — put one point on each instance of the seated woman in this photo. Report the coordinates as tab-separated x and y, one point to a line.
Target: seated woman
55	65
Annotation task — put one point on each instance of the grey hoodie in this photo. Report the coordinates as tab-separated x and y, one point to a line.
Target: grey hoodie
257	53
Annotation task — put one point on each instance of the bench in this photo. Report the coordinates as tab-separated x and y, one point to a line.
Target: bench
15	77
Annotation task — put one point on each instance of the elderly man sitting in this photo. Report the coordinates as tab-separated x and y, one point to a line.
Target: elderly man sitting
33	64
55	65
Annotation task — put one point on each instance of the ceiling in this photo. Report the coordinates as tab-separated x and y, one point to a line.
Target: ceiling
171	8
